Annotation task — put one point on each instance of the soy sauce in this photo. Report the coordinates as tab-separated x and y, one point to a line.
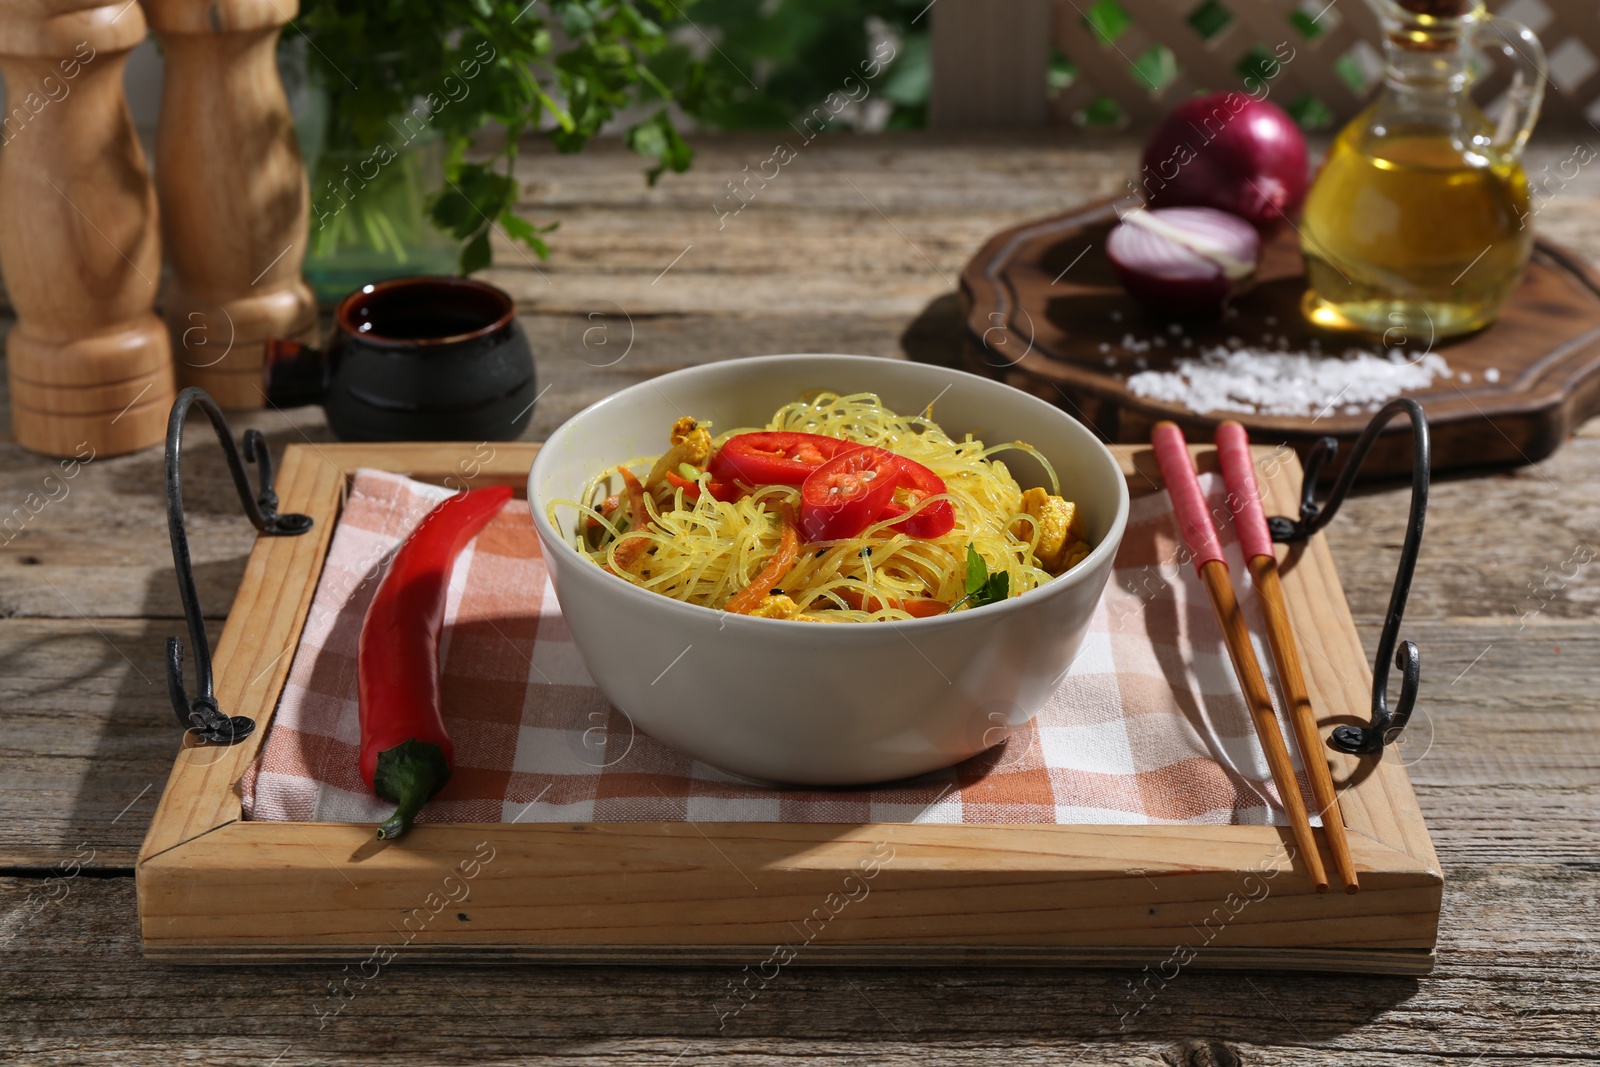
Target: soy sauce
422	325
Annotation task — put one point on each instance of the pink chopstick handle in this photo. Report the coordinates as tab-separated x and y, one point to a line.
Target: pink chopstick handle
1244	495
1188	503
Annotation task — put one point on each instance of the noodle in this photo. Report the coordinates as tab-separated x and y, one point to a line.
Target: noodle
704	551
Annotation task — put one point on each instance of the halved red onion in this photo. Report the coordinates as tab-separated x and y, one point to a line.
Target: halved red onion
1184	261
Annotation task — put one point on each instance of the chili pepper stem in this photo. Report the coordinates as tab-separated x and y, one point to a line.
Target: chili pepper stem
408	774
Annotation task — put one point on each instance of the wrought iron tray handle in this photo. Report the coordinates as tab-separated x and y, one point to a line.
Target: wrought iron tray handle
1386	725
202	714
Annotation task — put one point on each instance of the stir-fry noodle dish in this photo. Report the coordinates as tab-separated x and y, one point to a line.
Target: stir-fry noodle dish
838	510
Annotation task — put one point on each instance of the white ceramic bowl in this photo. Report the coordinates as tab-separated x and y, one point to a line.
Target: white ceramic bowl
813	703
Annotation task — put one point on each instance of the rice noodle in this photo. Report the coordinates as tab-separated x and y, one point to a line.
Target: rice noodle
704	551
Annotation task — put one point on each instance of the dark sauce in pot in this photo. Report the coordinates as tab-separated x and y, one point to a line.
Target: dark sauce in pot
423	326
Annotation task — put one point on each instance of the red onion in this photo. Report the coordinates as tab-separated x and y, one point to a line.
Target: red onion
1232	152
1183	260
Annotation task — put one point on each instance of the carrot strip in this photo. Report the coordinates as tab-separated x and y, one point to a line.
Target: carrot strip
630	548
918	607
611	504
635	491
779	564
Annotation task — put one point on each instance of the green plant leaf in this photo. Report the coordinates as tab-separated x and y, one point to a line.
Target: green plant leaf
475	253
981	586
977	571
907	83
520	229
658	139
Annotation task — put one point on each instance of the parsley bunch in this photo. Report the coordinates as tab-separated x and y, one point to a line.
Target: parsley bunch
560	67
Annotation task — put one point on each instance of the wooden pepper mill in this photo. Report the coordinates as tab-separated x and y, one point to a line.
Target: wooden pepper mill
88	360
234	196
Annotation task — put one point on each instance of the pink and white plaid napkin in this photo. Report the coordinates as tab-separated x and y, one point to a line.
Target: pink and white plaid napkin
1148	727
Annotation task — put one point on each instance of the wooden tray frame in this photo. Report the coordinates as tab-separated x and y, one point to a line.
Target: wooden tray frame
214	888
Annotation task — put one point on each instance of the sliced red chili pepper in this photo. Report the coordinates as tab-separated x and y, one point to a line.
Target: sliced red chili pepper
934	520
406	755
846	494
691	490
774	457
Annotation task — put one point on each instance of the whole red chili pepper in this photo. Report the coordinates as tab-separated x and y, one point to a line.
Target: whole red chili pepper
406	755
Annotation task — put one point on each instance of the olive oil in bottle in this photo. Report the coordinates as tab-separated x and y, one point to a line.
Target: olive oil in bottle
1419	221
1405	230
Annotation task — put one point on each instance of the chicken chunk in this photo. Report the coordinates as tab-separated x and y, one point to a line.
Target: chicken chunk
1059	529
691	444
775	607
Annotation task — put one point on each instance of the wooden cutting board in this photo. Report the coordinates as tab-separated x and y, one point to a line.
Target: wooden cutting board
1041	299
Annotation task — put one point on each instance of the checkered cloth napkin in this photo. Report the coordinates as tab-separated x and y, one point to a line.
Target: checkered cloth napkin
1148	727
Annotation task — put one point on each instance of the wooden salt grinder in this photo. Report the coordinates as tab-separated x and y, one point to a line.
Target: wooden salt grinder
234	197
88	360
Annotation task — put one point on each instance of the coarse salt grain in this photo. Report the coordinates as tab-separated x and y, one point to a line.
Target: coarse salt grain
1286	383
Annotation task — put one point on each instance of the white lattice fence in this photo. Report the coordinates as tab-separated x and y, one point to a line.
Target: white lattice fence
1128	61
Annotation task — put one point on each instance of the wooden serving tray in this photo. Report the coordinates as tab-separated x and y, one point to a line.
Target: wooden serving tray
1041	298
214	888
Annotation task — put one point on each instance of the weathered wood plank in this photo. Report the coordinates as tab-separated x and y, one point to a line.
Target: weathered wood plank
989	64
87	996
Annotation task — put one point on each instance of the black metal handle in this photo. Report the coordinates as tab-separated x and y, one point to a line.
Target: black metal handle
1386	725
202	714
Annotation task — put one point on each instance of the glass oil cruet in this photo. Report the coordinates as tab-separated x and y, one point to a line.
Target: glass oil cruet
1419	219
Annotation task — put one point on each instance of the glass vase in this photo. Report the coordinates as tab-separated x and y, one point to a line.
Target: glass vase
369	217
369	203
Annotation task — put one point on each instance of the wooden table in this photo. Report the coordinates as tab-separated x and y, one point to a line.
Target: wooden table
853	248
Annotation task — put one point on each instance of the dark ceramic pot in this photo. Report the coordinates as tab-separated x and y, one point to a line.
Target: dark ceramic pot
414	359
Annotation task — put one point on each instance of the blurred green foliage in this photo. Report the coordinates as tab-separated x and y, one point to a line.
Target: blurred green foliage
565	69
766	63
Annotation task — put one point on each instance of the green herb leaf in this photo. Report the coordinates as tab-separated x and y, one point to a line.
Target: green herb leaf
475	254
657	138
982	587
977	571
520	229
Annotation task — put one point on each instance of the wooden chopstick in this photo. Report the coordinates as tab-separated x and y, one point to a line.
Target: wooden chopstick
1200	534
1244	501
